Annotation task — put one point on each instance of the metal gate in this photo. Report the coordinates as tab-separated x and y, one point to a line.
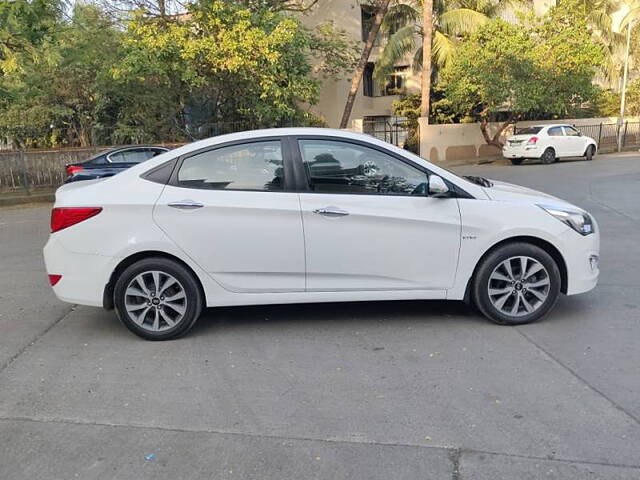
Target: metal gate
389	129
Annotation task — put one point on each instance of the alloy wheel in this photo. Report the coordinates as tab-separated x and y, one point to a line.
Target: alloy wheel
519	286
155	301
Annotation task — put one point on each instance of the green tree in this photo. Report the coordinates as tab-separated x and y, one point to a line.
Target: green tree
221	61
448	19
544	66
51	98
24	26
633	99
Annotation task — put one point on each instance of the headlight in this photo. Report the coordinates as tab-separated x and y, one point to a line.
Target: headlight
580	221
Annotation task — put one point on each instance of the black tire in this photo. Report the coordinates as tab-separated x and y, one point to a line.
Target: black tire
491	262
191	306
517	161
590	153
548	156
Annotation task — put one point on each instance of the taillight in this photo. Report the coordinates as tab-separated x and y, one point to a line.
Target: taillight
53	279
72	169
66	216
532	141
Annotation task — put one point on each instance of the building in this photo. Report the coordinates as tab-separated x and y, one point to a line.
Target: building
373	101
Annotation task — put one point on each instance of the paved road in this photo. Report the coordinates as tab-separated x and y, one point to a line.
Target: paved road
401	390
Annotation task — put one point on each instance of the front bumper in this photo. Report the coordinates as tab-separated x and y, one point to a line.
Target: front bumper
582	257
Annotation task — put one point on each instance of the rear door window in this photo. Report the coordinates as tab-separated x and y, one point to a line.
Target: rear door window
254	166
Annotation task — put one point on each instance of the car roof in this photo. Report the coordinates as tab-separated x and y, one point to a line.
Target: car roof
122	147
276	132
552	125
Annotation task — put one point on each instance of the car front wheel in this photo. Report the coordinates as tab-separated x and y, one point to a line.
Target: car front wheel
517	161
591	151
158	299
517	283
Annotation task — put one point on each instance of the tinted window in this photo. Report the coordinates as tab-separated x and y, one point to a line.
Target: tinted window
134	155
527	130
251	166
555	132
339	167
570	131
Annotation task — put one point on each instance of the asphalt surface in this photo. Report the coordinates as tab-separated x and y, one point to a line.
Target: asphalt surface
402	390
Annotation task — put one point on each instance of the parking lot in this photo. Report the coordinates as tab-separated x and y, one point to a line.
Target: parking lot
399	390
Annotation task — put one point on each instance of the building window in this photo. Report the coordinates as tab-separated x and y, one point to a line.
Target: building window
367	81
367	14
395	84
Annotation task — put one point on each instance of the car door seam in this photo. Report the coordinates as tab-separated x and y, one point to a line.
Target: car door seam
304	241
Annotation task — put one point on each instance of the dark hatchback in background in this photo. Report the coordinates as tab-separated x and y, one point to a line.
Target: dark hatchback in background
111	162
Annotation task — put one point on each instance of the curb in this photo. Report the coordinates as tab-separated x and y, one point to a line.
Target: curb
25	199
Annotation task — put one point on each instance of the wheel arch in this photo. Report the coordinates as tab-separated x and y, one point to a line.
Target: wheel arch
107	298
589	145
538	242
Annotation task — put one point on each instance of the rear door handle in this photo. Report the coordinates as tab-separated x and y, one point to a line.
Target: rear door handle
331	212
186	205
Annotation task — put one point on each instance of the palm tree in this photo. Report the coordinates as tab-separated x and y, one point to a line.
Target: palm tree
443	21
599	17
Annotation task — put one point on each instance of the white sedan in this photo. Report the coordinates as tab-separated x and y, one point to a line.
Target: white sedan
548	143
309	215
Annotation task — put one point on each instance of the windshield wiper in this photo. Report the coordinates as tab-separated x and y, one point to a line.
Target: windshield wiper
483	182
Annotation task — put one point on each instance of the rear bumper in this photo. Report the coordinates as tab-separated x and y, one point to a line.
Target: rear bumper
84	276
521	151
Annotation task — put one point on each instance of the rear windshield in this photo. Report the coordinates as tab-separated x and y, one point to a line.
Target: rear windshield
528	130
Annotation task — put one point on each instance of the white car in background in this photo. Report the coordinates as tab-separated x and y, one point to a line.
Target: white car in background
310	215
548	143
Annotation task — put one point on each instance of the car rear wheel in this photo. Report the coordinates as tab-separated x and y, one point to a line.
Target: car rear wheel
158	299
591	151
517	283
517	161
548	156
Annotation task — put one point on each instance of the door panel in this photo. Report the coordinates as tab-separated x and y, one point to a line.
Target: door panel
575	143
229	212
368	223
383	243
558	141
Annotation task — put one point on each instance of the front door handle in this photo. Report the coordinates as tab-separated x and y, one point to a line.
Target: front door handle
186	205
331	212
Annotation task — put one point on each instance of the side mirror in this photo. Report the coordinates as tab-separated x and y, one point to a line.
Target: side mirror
437	187
579	134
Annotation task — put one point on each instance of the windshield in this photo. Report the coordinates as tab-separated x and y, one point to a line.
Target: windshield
527	130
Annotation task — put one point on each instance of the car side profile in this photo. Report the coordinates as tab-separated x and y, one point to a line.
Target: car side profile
309	215
548	143
111	162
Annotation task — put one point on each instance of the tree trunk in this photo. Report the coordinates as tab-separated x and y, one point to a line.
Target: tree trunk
494	140
427	33
381	11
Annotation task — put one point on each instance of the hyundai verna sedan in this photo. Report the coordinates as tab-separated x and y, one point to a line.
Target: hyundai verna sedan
309	215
